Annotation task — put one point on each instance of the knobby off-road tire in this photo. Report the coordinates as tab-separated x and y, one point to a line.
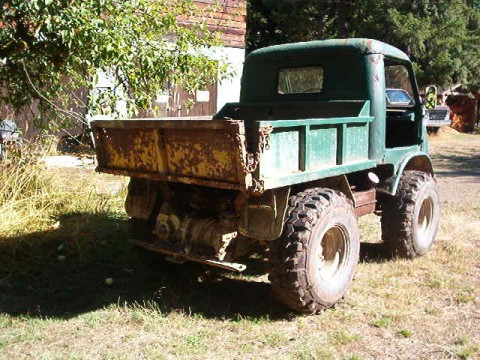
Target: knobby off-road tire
410	219
314	261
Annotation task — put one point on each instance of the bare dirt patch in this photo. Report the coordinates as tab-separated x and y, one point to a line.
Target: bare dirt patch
456	158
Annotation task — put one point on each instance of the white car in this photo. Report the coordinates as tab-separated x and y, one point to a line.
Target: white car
434	118
437	117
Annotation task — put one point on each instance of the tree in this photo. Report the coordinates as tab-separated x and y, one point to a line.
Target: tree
49	48
271	22
441	37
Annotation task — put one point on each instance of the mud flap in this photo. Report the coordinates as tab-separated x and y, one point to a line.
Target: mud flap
263	217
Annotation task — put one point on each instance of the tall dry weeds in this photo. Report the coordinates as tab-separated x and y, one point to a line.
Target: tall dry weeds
27	192
33	199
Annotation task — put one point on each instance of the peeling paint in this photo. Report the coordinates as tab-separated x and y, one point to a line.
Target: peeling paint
203	152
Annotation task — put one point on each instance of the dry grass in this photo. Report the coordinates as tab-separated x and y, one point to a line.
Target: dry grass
427	308
24	194
31	197
35	202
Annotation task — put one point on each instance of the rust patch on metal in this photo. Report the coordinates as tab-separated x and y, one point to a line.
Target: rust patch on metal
202	153
252	158
374	59
133	149
172	178
365	202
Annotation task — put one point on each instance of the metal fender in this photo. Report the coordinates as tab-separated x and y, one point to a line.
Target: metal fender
415	161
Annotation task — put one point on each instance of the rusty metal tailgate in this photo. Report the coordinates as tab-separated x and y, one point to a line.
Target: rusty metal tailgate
189	150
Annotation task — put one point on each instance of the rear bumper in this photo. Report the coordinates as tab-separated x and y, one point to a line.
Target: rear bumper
438	123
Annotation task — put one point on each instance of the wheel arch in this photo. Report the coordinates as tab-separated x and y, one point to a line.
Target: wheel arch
263	217
339	183
417	161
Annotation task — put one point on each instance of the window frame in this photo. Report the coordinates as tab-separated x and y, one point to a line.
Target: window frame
411	81
300	92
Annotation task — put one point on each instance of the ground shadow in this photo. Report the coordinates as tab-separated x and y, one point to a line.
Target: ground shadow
373	253
61	273
458	165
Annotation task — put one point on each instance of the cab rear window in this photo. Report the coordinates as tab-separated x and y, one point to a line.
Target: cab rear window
303	80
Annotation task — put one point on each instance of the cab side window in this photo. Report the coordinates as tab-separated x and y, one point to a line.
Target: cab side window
401	124
396	77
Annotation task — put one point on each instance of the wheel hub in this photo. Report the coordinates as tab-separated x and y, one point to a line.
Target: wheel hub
332	253
424	221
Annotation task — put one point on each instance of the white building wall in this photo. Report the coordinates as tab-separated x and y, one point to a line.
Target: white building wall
229	90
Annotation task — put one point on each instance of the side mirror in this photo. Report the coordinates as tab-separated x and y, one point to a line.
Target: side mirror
431	96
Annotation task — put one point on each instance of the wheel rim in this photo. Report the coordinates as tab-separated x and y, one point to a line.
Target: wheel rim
332	253
424	222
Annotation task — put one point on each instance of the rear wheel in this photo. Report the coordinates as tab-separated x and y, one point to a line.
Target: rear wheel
410	219
314	261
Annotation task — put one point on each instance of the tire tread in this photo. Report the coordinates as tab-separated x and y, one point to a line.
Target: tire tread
290	283
398	214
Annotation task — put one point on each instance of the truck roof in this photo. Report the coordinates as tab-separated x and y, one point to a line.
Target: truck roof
322	47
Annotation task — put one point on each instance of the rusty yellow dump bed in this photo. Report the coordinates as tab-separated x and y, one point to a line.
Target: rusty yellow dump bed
189	150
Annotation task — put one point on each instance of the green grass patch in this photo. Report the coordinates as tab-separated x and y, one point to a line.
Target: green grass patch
465	349
344	338
405	333
383	321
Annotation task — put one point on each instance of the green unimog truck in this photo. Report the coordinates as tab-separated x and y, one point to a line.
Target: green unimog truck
312	145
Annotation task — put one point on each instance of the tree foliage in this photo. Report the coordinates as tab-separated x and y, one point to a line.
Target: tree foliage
48	48
442	37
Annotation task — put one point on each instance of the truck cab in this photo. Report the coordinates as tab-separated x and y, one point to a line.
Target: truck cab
335	79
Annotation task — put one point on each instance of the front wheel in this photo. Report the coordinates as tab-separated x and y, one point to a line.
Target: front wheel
411	218
314	261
